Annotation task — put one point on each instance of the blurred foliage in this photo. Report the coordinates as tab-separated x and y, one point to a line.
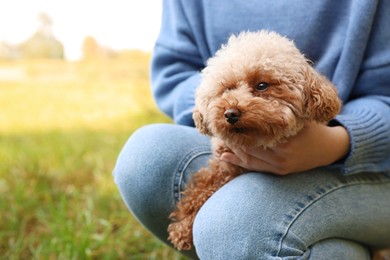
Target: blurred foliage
42	44
62	126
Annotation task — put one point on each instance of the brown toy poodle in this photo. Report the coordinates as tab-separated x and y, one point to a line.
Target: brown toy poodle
257	90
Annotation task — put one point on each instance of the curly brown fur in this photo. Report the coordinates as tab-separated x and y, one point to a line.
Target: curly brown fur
202	185
257	90
383	254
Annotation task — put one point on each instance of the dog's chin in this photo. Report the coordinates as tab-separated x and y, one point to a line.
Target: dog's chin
254	134
240	135
239	130
255	127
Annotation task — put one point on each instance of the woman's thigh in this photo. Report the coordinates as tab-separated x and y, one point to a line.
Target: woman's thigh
152	170
260	216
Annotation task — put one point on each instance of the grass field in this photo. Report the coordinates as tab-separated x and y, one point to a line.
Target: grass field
62	125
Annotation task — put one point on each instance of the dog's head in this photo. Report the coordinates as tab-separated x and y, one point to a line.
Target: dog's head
259	89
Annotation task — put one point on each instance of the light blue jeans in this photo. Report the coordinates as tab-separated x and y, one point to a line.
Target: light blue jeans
317	214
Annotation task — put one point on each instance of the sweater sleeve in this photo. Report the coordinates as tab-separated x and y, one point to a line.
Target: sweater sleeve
175	66
366	115
367	121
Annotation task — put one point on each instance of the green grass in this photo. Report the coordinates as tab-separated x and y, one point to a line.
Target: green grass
62	126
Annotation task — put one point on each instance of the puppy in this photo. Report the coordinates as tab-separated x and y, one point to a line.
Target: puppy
257	91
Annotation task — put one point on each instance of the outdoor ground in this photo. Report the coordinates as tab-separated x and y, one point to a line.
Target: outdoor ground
62	125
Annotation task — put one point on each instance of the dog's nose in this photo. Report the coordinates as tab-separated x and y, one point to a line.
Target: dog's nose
232	115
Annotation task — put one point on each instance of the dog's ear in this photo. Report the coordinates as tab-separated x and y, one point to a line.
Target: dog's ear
200	124
322	101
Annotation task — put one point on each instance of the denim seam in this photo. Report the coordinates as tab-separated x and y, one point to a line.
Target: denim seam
322	192
183	165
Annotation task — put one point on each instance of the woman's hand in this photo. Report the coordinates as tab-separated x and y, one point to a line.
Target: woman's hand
316	145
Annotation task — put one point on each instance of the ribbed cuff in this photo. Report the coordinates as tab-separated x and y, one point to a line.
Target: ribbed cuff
369	133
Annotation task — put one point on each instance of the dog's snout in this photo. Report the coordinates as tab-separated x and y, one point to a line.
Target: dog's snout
232	115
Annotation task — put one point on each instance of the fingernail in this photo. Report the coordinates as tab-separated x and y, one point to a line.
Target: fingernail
223	158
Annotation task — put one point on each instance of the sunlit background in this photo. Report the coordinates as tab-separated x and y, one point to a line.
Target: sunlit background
74	85
118	24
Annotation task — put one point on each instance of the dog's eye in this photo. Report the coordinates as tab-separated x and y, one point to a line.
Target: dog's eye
262	86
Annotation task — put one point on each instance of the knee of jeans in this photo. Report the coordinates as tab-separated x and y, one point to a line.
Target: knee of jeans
228	226
146	167
139	167
336	248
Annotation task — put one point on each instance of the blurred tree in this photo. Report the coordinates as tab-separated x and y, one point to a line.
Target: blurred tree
91	48
42	44
45	24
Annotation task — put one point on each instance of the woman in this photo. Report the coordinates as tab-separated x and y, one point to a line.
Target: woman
325	194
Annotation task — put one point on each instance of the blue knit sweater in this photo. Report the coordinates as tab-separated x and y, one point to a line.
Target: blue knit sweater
348	41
